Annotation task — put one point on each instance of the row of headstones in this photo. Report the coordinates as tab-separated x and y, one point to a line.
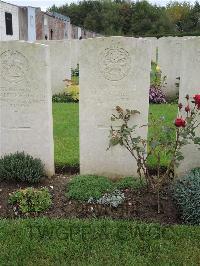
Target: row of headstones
113	71
165	51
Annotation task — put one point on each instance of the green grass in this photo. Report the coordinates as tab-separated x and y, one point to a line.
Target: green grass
66	131
169	111
75	79
96	242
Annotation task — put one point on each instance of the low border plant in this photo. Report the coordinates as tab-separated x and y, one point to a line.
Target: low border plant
21	167
30	200
112	199
83	187
186	192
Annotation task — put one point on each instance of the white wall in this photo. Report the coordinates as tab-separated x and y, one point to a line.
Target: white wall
4	7
79	32
31	24
68	30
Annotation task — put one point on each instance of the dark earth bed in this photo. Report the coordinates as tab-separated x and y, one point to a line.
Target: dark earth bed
139	205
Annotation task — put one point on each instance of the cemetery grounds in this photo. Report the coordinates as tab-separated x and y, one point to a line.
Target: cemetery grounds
58	241
76	231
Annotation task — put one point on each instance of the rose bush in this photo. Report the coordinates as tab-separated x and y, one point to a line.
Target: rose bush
185	125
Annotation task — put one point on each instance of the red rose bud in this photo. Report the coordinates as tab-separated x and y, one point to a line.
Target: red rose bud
187	108
180	122
180	106
197	100
187	97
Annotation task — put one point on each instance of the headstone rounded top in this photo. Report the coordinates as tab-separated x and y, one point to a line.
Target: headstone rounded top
14	66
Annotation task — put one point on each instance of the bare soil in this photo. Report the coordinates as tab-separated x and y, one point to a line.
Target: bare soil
139	204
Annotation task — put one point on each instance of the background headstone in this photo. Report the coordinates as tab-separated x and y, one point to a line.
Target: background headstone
75	51
190	84
169	60
154	47
25	101
113	71
60	58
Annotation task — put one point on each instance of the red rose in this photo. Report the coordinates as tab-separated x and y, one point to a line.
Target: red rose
180	122
197	100
187	108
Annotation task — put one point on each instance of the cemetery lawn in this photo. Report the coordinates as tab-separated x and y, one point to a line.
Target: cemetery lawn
66	133
96	242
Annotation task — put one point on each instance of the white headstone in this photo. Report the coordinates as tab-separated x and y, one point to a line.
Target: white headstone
190	84
25	101
113	71
154	47
60	57
75	51
169	60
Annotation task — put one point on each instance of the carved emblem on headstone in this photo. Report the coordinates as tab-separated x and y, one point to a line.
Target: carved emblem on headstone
14	66
114	63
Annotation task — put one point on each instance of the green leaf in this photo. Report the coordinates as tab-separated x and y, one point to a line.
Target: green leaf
135	112
180	158
136	140
197	140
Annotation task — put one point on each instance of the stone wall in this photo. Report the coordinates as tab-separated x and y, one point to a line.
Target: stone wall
40	34
4	7
23	23
57	27
31	24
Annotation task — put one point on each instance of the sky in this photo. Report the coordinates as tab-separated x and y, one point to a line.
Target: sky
44	4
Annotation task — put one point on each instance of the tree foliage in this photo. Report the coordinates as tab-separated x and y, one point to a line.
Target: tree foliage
140	18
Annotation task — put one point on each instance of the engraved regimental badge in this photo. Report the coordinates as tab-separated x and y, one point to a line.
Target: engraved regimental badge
114	62
14	66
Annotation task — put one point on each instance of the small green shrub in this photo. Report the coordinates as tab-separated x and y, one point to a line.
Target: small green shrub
65	97
83	187
186	192
130	182
75	71
21	167
31	200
